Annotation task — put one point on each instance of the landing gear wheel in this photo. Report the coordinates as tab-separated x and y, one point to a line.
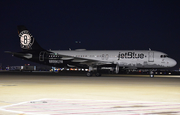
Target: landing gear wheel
89	74
98	74
117	69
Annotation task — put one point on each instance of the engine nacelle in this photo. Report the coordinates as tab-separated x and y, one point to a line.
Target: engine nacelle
111	67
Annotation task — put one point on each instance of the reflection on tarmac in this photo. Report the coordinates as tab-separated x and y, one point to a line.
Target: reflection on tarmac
74	93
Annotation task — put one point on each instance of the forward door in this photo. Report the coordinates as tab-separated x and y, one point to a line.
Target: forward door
150	56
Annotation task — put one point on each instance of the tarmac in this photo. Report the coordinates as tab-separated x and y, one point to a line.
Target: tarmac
44	93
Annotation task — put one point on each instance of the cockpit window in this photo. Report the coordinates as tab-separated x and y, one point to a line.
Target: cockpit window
164	56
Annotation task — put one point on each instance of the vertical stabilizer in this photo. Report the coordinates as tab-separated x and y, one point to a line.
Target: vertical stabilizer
27	41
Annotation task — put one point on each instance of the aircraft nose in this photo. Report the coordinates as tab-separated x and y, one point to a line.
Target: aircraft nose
173	62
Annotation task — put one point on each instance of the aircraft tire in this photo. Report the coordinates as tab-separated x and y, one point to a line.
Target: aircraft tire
98	74
89	74
117	69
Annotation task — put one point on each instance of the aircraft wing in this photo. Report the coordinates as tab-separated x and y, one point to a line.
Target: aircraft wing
84	60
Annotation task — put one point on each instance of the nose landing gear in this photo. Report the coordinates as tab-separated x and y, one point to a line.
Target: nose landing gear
151	74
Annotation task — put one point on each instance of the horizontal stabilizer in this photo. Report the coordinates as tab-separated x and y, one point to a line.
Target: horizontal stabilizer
20	54
25	55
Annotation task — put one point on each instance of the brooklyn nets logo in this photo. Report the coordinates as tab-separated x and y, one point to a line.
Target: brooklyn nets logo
26	39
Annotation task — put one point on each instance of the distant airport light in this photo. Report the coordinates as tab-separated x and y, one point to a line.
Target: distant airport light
77	42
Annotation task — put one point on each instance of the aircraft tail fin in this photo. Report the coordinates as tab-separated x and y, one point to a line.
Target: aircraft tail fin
27	41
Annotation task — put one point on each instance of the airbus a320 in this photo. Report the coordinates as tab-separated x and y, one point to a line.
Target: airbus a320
94	60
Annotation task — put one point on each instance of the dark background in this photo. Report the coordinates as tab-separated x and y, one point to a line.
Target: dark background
98	24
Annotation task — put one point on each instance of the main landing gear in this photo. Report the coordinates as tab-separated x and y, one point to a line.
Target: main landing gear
93	70
89	74
97	70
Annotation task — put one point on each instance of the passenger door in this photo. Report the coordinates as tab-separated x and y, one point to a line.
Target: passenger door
150	56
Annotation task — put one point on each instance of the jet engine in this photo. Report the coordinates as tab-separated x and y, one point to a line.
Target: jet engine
111	67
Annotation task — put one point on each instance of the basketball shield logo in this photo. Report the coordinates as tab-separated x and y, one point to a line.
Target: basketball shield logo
26	39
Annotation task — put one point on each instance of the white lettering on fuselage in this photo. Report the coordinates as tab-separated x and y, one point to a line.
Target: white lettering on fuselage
55	61
130	55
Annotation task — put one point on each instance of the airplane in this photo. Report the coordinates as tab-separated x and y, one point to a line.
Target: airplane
94	60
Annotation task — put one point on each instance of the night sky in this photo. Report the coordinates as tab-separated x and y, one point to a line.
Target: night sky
98	24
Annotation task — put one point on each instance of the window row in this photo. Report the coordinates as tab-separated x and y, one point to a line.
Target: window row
57	56
164	56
